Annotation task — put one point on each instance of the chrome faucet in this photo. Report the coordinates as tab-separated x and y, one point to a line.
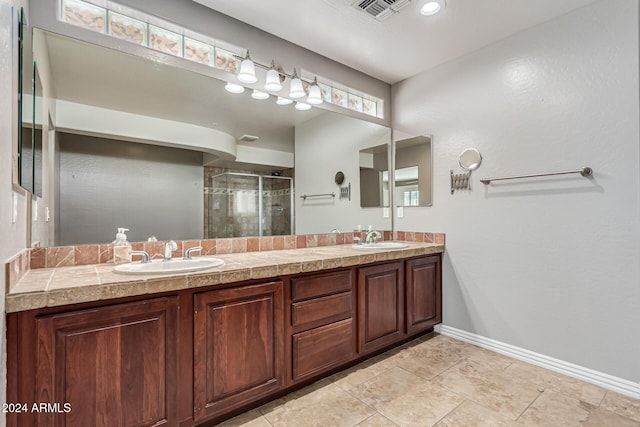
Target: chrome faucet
187	254
373	236
144	254
169	247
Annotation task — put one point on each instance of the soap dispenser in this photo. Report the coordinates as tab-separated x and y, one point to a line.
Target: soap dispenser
121	247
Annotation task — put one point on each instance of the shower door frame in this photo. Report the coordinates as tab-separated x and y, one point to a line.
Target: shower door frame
260	197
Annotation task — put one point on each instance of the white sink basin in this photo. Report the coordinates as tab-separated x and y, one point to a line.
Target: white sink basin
380	246
168	267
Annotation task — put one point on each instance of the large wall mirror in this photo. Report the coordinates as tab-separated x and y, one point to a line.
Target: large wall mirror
164	150
413	172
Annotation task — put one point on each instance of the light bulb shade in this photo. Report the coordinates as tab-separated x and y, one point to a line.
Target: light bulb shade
234	88
315	95
302	106
296	90
272	82
256	94
247	72
283	101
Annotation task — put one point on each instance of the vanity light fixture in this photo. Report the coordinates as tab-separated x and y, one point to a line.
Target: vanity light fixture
301	88
247	72
302	106
315	95
273	82
296	90
256	94
283	101
234	88
231	58
431	7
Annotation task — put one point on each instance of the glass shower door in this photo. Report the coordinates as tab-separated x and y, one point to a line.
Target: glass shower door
244	205
277	206
234	206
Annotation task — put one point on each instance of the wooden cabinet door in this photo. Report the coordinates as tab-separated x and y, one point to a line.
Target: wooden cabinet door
113	366
424	293
380	306
238	347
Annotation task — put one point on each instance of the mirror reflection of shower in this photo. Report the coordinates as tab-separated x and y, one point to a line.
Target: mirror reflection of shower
242	204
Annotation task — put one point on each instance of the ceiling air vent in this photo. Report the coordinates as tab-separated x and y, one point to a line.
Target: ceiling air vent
248	138
381	9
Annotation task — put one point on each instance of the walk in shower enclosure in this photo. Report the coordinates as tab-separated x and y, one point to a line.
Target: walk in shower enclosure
244	204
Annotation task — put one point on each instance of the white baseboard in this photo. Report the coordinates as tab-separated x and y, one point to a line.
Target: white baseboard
609	382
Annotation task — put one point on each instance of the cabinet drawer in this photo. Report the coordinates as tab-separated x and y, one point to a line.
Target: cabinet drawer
322	310
323	348
320	285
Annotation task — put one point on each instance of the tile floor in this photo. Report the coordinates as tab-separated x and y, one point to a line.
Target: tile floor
439	381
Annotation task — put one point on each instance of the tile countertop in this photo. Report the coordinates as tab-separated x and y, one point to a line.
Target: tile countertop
51	287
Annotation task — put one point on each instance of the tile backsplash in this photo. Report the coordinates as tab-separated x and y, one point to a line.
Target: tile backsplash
63	256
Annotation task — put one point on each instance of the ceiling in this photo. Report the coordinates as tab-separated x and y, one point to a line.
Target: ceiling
403	45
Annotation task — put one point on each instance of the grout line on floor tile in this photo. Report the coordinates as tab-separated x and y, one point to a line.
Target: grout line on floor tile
603	396
450	367
447	414
506	367
373	415
529	405
267	420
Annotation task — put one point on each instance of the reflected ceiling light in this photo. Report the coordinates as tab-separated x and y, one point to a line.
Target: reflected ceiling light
315	94
431	7
256	94
273	83
283	101
234	88
247	72
302	106
296	89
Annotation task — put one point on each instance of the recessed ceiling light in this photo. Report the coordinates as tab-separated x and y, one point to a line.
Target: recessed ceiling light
431	7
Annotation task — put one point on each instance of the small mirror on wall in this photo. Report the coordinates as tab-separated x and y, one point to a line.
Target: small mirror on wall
413	170
374	176
470	159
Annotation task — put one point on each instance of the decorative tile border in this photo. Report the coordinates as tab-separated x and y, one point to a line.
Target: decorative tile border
64	256
228	191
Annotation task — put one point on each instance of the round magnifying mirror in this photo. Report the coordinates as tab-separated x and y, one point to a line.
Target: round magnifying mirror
470	159
339	178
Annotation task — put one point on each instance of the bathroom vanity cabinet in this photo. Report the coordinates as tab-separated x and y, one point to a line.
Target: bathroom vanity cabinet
423	281
199	355
113	365
321	323
237	347
381	306
396	300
